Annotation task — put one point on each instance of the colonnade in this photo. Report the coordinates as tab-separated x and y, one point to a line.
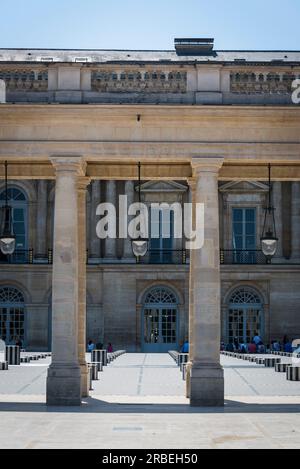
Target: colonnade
67	374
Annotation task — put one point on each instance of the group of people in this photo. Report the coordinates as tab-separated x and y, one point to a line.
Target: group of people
285	346
98	346
257	346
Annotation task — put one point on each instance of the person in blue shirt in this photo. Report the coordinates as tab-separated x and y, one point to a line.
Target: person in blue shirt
288	347
91	346
185	347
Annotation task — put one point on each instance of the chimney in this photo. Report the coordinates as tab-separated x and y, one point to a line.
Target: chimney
194	46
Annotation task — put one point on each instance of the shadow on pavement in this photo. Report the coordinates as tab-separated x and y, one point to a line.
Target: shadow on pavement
91	405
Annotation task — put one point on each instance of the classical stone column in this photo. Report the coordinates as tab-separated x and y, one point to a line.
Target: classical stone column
82	185
41	219
129	191
64	377
111	197
95	242
295	220
206	374
192	199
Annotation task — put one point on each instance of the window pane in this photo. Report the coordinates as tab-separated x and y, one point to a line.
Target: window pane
250	214
19	228
250	229
250	242
18	214
238	228
238	214
238	242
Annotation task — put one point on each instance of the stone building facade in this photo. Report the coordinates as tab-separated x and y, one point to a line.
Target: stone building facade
145	305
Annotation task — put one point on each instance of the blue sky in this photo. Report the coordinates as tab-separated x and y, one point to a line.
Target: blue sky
152	24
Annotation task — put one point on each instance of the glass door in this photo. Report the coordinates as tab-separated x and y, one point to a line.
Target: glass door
12	325
244	322
160	329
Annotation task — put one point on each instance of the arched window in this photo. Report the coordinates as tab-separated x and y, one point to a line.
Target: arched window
160	295
10	295
12	315
160	320
244	296
17	200
245	315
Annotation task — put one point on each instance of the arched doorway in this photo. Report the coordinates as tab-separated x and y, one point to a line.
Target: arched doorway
12	315
160	320
245	315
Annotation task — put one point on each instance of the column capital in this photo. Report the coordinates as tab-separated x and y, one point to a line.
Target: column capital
82	183
210	165
66	163
191	182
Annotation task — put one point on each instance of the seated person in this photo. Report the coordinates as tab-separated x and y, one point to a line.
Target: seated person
261	348
230	347
252	347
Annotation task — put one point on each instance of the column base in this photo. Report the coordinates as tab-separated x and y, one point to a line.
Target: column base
64	385
206	388
85	387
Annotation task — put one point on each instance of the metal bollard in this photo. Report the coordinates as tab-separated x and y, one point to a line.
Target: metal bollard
25	359
3	366
12	354
90	378
182	358
281	367
293	373
184	371
94	371
99	356
260	361
271	362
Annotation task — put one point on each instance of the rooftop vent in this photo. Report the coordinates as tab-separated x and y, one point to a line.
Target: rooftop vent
194	46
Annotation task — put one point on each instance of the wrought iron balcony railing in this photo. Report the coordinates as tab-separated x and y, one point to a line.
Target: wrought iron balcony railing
153	256
25	256
20	256
242	257
164	256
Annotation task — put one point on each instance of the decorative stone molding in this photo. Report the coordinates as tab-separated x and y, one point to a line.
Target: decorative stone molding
25	79
154	81
247	82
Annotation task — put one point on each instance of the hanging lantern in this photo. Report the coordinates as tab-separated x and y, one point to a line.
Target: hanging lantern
268	238
139	245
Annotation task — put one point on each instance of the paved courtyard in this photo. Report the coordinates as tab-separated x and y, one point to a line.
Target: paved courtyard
139	402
